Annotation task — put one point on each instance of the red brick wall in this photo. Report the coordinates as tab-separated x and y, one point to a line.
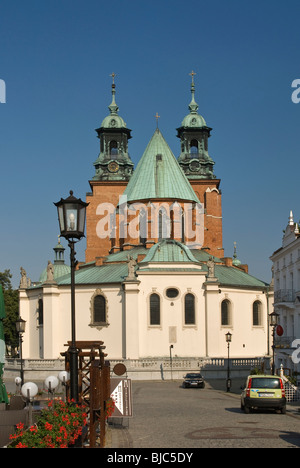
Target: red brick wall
207	192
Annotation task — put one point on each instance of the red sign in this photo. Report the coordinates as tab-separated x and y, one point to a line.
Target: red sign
279	330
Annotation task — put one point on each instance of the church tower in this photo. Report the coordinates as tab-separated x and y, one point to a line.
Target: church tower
194	133
113	170
159	178
198	167
113	162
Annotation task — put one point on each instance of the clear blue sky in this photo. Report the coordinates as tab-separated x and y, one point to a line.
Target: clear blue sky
56	58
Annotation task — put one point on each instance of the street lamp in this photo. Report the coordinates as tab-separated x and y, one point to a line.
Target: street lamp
64	376
171	363
71	217
20	327
51	384
228	337
273	323
29	391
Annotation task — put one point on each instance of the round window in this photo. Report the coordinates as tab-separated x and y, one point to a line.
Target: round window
172	293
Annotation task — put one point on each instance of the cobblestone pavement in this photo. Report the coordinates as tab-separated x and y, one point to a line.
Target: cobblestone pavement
168	416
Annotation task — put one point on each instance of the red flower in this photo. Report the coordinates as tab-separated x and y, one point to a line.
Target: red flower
20	426
48	426
20	445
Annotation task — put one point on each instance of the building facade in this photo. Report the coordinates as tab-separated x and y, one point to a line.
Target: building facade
155	275
286	268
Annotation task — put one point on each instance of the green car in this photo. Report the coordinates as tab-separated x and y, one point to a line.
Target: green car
263	392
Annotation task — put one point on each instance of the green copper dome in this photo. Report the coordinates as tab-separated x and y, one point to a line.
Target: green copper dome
59	271
169	251
194	121
59	266
113	121
235	262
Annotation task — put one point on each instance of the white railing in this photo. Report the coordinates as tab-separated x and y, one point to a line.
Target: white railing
292	392
192	363
145	363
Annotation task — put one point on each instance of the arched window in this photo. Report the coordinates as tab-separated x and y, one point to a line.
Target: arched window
99	315
256	314
143	226
41	312
113	148
225	313
194	147
189	309
163	224
183	228
154	309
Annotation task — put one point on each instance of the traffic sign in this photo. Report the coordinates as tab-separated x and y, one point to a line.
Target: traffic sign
122	395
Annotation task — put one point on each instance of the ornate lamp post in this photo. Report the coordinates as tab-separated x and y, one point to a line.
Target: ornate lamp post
273	323
29	391
71	216
20	327
228	337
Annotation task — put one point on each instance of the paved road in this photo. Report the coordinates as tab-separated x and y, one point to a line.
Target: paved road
168	416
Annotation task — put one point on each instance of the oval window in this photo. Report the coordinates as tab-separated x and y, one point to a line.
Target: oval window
171	293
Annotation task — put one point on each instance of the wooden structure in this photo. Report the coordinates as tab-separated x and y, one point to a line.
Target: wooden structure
94	387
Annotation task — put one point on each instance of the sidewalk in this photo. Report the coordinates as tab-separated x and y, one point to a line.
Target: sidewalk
118	437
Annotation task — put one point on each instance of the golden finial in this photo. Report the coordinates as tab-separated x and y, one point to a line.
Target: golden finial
192	74
113	75
157	117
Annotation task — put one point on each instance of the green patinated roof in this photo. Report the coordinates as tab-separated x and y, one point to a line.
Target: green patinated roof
59	270
115	269
123	255
158	175
203	256
169	251
117	272
229	276
171	270
113	273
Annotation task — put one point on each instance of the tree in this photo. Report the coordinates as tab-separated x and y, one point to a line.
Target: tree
11	301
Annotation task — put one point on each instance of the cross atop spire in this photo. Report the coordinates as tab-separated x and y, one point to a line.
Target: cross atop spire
113	107
192	74
157	117
193	105
113	75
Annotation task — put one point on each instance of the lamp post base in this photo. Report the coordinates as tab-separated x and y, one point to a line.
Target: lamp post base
73	356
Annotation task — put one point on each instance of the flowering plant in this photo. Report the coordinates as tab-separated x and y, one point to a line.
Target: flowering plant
59	426
109	407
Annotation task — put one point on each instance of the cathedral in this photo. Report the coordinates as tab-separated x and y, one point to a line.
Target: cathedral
155	277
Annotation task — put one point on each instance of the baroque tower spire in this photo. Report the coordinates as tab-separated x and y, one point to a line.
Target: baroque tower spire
113	162
194	133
